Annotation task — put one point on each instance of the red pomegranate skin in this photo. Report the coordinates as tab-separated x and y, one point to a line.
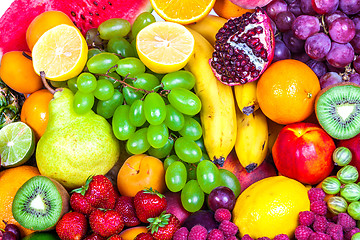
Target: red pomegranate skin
303	151
354	145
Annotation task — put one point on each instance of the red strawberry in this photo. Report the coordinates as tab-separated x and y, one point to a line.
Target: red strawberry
125	206
94	236
149	204
106	222
115	237
144	236
72	226
164	226
79	204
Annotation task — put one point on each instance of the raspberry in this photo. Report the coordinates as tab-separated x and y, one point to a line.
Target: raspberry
320	224
303	232
335	231
319	236
247	237
215	234
231	238
316	194
228	228
346	221
264	238
350	233
197	232
181	234
281	237
306	218
222	214
319	207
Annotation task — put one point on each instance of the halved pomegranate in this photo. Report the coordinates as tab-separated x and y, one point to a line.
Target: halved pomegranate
244	48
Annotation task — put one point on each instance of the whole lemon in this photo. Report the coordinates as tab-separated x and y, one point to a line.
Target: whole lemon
270	207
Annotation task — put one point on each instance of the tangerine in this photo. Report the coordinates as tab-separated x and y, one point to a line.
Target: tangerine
286	91
227	9
35	111
10	181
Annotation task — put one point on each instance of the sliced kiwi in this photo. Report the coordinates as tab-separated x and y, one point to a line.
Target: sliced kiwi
338	110
40	203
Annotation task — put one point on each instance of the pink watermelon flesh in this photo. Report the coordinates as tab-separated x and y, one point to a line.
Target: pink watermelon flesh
85	14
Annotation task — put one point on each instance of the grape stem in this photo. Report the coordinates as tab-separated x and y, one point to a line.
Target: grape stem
46	84
123	82
324	25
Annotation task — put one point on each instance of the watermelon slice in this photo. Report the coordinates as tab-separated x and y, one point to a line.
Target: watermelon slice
85	14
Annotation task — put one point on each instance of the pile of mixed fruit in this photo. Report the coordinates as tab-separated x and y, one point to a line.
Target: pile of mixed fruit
244	124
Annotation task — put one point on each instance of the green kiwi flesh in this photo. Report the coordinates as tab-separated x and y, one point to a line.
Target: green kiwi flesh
338	110
40	203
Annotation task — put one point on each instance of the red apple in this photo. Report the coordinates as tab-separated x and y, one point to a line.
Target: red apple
354	145
266	169
303	151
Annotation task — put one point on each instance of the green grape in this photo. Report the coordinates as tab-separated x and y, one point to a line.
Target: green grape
342	156
121	46
175	176
350	192
200	143
130	66
204	156
348	174
228	179
136	113
111	77
169	160
133	44
86	82
142	21
131	95
191	169
104	90
354	210
163	151
337	205
208	176
356	236
178	79
146	81
154	108
107	108
184	101
157	135
187	150
137	143
114	27
192	197
93	51
72	84
331	185
102	63
121	125
174	119
83	102
192	129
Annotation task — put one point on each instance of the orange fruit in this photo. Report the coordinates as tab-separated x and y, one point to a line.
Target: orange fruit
182	11
35	111
131	233
139	172
44	22
10	181
286	91
17	71
227	9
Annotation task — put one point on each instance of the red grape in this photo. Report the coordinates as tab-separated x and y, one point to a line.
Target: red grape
302	57
355	42
340	54
342	30
14	229
307	8
281	51
221	197
9	236
284	21
329	18
295	8
355	78
356	21
275	7
329	78
325	6
294	44
356	64
349	7
305	25
317	46
318	67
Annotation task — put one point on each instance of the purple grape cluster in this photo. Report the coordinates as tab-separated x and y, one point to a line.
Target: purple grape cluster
323	34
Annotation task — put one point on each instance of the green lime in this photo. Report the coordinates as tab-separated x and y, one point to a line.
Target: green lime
17	144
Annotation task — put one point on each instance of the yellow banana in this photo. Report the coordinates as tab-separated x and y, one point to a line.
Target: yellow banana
218	114
252	139
245	95
208	27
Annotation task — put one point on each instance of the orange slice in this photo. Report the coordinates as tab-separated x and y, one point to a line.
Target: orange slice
165	46
182	11
61	52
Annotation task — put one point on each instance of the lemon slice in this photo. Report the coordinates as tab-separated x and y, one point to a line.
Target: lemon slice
61	53
165	46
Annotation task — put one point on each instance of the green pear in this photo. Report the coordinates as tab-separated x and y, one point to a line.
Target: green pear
75	146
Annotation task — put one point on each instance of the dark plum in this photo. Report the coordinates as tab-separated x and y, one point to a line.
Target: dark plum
281	52
221	197
203	217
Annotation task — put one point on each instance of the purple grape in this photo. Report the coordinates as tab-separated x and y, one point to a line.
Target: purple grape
275	7
340	54
289	1
302	57
355	42
329	79
274	27
281	52
221	197
356	21
295	8
307	8
9	236
325	6
342	30
318	67
334	69
203	217
356	64
284	21
349	7
355	78
317	46
329	18
294	44
305	25
14	229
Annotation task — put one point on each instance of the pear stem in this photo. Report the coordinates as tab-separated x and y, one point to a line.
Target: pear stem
46	84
